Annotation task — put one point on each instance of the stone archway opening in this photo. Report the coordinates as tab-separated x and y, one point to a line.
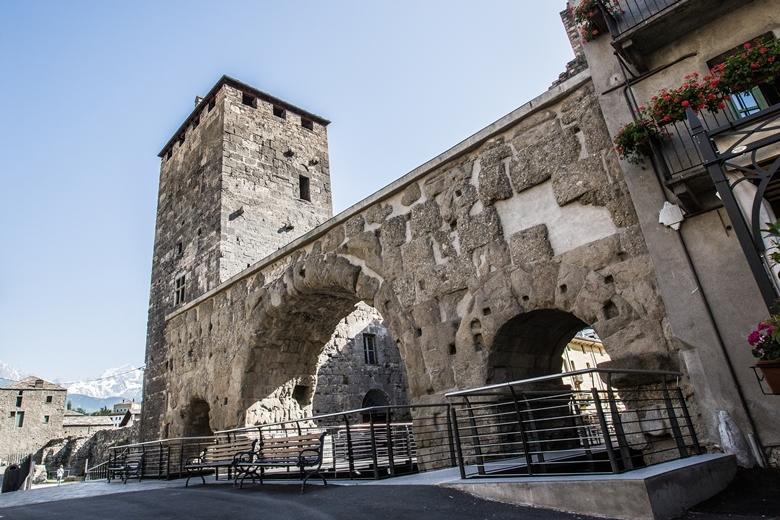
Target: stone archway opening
318	352
373	398
360	361
533	344
196	418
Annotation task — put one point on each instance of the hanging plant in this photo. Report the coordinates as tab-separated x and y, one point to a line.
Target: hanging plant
633	140
670	105
590	18
756	64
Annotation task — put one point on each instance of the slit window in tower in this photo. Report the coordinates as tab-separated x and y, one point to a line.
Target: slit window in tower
369	349
179	290
304	192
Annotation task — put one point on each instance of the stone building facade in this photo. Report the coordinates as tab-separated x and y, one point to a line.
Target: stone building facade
77	424
31	413
703	277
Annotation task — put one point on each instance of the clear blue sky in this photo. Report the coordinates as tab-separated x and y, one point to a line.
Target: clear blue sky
90	91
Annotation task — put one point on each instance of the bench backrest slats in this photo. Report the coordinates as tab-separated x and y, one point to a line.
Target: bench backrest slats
289	447
225	449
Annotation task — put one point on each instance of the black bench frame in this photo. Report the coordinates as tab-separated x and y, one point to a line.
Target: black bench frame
195	465
125	467
247	464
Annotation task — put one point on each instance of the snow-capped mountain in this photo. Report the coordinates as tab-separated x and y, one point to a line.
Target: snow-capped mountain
9	372
124	381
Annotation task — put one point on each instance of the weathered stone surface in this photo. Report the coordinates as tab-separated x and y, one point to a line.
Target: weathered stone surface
530	246
426	219
493	181
411	194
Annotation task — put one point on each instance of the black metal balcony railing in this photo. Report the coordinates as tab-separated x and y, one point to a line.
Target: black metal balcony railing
631	13
676	147
542	426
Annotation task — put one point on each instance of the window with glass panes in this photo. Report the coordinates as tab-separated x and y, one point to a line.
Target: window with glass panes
369	349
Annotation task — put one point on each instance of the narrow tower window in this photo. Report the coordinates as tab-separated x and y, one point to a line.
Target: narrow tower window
307	123
179	292
303	188
280	112
369	349
248	100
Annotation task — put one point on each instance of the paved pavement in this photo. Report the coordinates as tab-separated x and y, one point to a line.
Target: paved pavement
272	501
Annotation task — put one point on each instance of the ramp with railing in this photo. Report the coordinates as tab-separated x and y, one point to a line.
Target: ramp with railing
551	425
543	426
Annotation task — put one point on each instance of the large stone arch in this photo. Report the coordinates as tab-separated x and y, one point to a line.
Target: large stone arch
292	319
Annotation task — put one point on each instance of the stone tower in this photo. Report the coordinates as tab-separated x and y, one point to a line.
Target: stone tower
245	174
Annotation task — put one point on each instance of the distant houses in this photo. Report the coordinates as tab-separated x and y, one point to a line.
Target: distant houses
33	412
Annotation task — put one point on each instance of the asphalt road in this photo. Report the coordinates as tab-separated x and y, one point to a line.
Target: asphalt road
283	502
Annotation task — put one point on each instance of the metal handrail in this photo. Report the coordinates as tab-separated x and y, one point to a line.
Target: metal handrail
329	415
633	13
553	377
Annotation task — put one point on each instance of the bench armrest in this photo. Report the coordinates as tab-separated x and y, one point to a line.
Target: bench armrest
316	453
244	456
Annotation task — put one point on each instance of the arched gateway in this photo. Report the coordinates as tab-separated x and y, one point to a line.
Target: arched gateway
483	262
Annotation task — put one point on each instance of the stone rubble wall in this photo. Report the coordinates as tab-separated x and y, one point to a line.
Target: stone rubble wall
75	452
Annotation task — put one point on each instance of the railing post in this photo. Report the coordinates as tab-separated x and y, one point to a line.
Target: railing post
372	433
532	419
159	461
521	427
181	458
458	446
475	435
350	460
605	431
688	421
450	442
168	462
673	422
617	423
390	455
142	465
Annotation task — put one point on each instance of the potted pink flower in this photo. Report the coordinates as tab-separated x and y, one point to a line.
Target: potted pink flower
765	344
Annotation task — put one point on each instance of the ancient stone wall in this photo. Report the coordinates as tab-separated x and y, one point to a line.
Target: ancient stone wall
343	375
530	214
229	195
187	232
75	453
264	158
35	430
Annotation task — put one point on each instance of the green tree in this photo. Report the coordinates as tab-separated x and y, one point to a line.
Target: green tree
103	411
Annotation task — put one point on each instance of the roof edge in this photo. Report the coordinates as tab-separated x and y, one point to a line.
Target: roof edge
227	80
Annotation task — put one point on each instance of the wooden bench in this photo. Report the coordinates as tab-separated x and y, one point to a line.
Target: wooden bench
222	454
124	466
294	451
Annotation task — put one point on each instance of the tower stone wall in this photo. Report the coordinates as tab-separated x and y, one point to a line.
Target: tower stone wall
229	194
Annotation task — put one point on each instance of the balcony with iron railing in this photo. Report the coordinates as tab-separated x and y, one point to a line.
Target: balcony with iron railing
678	159
639	27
